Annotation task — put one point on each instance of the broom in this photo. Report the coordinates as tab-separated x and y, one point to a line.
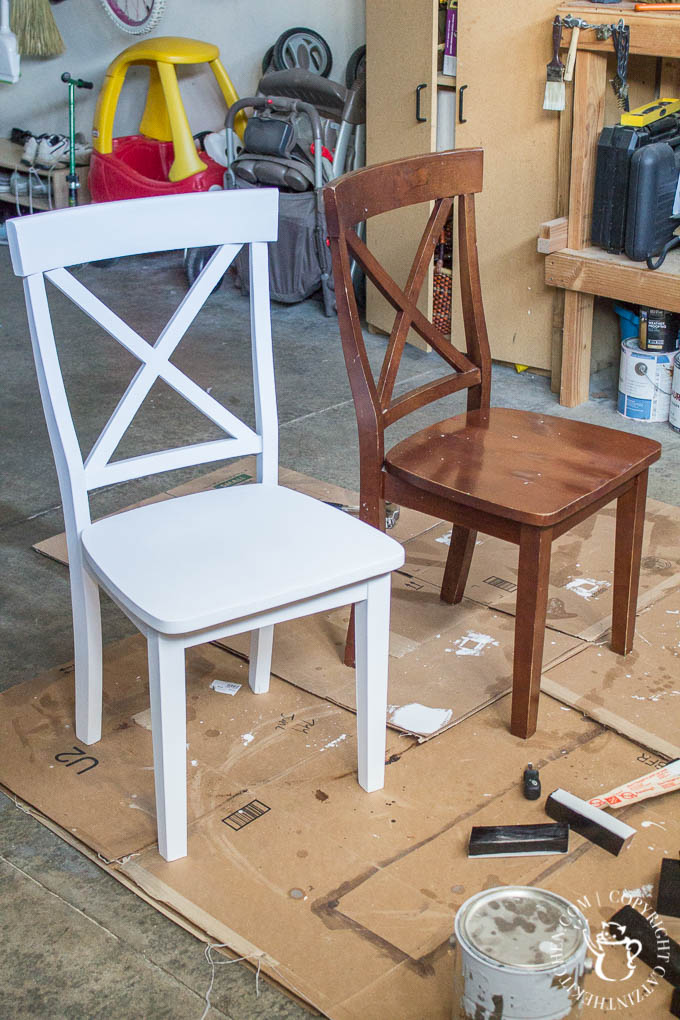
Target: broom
35	28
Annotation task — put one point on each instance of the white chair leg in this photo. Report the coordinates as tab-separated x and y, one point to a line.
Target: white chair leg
372	631
87	641
261	642
167	689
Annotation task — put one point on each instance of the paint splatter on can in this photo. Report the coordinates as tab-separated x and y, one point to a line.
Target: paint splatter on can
645	380
674	411
520	955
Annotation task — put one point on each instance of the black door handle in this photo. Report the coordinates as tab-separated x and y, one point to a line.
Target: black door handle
419	89
461	118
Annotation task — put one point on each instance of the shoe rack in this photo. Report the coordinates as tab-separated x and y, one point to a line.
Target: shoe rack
10	159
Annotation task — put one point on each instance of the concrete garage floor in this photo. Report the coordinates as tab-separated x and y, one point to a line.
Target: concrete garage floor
76	943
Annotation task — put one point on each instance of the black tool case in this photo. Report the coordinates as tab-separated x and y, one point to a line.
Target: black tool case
615	150
654	172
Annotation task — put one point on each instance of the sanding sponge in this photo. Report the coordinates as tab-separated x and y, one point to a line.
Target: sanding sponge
591	822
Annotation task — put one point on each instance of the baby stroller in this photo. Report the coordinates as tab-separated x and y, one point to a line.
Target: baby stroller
304	130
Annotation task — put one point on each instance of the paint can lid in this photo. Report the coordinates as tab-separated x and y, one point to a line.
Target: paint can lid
521	927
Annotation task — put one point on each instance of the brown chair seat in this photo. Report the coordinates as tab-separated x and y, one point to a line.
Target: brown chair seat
509	457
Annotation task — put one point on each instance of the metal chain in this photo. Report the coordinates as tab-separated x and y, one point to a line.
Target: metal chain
602	32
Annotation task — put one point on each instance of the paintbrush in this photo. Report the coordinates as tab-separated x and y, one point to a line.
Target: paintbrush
554	80
588	818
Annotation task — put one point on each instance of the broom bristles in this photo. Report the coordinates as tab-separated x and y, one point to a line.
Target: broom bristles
36	30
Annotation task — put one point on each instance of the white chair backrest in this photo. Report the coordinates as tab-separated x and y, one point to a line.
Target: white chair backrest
42	245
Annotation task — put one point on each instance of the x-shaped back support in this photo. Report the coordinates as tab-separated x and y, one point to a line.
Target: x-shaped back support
155	364
408	315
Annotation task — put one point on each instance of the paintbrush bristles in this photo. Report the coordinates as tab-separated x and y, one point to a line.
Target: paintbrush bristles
36	30
554	98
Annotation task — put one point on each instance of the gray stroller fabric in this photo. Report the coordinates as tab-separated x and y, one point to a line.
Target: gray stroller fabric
300	256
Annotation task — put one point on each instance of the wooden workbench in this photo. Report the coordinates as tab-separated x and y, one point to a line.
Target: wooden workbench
584	271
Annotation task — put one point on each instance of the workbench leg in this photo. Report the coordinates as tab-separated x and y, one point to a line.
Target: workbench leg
576	343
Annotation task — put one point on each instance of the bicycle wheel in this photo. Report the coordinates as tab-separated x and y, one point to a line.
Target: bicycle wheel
304	48
134	16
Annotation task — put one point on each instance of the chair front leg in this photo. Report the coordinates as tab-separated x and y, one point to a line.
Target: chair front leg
87	640
167	688
532	604
372	650
458	564
259	670
630	520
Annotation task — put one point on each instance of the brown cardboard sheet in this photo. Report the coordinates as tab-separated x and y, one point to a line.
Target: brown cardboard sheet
446	662
637	695
409	523
345	898
581	568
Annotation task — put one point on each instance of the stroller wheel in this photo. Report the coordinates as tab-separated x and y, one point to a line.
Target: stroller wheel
356	65
195	260
267	60
304	48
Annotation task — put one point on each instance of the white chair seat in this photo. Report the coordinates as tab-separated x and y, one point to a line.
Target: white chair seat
197	561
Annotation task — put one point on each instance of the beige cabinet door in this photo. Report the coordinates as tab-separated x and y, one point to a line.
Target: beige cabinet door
401	41
502	52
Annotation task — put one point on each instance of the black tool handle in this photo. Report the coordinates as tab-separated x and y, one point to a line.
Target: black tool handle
419	89
77	82
557	39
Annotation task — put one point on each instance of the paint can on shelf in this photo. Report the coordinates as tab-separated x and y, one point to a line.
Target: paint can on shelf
658	329
645	380
520	954
674	411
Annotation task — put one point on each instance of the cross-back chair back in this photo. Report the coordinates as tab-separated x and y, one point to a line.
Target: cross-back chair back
42	250
371	192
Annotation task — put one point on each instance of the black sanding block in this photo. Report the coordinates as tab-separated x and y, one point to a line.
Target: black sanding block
668	897
510	840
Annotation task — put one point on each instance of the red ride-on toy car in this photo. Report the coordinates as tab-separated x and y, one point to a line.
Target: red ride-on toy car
162	159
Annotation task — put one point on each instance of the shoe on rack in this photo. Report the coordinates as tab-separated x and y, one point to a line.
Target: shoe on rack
37	185
4	181
18	183
52	152
83	150
31	149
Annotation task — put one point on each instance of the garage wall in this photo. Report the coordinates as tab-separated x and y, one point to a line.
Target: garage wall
242	29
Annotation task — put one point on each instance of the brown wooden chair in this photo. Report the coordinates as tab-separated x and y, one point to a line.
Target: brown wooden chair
523	477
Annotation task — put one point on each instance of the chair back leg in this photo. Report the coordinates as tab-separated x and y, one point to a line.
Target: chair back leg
167	689
87	642
630	519
259	670
530	614
458	564
372	628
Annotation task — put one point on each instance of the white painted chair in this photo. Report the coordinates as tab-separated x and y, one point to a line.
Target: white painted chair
198	567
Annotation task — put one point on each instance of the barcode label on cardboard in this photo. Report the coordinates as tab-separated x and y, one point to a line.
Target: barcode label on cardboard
225	687
245	815
498	582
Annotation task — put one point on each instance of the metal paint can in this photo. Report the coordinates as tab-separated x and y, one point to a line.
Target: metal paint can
520	955
674	411
658	329
645	381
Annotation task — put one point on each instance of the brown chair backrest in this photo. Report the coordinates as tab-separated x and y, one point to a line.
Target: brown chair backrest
356	197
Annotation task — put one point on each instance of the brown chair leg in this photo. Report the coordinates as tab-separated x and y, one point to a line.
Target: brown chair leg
532	603
458	564
630	520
